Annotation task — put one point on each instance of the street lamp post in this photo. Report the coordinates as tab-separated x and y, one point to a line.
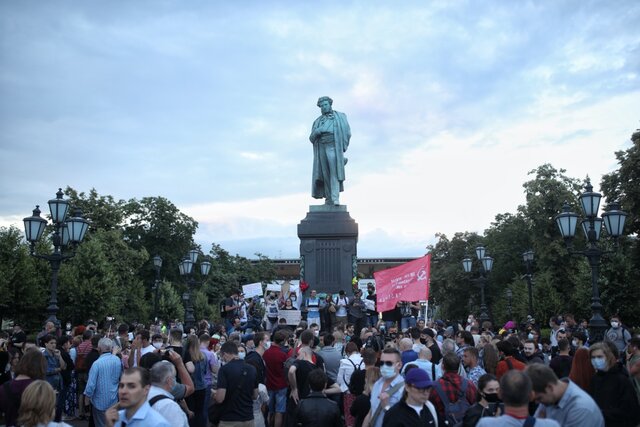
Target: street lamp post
613	219
528	260
66	231
186	269
157	265
509	298
487	265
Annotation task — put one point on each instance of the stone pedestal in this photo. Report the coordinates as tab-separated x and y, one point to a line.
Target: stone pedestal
328	248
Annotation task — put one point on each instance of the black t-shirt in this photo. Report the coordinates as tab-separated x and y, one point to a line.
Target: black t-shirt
392	315
230	302
303	369
239	380
19	338
260	374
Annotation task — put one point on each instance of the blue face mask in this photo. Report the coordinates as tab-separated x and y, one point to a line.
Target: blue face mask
599	363
387	371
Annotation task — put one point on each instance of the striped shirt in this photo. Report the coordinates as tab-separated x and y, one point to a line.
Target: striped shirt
102	386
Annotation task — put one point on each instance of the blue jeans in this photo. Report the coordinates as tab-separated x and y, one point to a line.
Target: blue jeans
407	322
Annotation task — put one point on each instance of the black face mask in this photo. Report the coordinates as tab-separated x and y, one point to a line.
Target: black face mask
491	397
370	292
423	340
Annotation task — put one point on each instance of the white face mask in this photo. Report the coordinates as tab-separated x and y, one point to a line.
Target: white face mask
530	336
387	371
614	324
241	355
157	345
267	344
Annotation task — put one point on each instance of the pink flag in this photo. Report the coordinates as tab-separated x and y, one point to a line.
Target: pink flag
408	282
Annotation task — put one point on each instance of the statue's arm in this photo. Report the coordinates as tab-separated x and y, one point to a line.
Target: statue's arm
314	132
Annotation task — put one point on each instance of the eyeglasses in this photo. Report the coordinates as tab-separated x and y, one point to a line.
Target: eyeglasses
387	363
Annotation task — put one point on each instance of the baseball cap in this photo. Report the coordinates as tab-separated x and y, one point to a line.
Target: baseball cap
418	377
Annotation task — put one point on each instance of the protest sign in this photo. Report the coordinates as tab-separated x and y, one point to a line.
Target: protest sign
408	282
274	287
252	290
292	317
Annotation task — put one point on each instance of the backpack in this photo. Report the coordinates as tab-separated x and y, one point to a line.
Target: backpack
454	412
154	399
356	370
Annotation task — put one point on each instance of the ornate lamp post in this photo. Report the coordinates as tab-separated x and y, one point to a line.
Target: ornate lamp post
66	231
528	260
186	269
509	294
613	219
157	265
487	265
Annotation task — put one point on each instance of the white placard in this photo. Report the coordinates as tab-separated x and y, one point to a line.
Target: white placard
252	290
369	305
363	283
293	317
274	287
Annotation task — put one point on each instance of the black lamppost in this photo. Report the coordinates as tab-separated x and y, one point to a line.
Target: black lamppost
186	269
509	298
613	219
487	265
66	231
528	260
157	265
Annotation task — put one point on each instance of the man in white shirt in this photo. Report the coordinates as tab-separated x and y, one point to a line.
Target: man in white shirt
163	379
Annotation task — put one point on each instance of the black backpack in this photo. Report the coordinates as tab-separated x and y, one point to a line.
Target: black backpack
454	412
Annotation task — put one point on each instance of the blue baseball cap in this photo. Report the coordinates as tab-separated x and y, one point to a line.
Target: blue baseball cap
418	377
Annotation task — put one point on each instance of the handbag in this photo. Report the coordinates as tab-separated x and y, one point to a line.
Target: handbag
332	308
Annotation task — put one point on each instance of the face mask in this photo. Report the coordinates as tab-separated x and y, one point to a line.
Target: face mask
615	324
387	371
370	292
316	333
241	355
530	336
574	343
469	320
599	363
491	397
267	344
293	299
157	345
423	340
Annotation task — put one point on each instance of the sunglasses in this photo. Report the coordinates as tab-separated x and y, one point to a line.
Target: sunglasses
387	363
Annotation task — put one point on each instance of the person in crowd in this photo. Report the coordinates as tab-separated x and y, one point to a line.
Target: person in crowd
288	305
633	363
55	366
487	402
274	358
452	385
348	366
160	398
313	305
515	391
388	390
414	409
360	407
554	324
562	400
406	350
133	408
82	372
212	366
262	343
470	357
618	334
424	362
231	308
357	313
372	314
342	305
237	388
38	406
561	363
531	353
102	385
261	402
331	356
408	313
48	329
507	360
31	366
68	385
18	337
464	339
611	388
582	371
198	366
140	346
579	339
316	410
429	336
328	313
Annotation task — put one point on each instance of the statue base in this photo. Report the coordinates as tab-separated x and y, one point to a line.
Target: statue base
328	248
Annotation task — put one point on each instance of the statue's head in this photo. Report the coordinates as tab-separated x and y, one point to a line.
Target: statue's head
325	104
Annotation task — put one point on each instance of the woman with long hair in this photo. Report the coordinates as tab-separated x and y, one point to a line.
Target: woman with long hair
486	401
31	366
582	371
196	364
38	406
362	404
490	358
612	390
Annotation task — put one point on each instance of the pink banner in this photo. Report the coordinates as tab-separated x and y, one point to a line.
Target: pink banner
408	282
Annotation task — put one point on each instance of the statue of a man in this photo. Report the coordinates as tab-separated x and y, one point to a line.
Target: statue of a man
330	135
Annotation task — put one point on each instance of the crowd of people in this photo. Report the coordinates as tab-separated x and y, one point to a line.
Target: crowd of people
351	367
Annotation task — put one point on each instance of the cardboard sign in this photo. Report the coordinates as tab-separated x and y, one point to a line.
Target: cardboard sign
275	287
252	290
292	317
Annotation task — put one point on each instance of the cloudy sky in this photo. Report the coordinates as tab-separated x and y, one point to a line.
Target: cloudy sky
210	104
